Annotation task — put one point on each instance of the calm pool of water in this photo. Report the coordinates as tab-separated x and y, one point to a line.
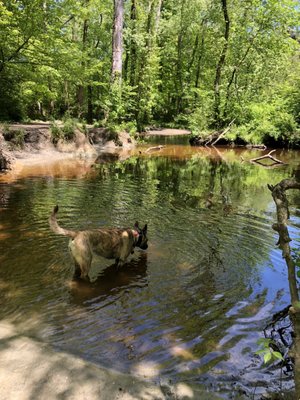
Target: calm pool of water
192	307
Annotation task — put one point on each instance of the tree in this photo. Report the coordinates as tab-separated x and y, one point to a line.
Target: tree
117	41
221	64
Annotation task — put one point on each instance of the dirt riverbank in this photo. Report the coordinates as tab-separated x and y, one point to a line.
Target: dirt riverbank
28	144
33	143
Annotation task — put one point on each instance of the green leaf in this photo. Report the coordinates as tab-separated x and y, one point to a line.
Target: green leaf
277	355
267	357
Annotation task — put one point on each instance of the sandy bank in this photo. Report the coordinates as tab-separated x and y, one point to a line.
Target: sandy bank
31	370
168	132
33	143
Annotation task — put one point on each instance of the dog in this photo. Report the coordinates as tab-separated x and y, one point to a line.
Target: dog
110	243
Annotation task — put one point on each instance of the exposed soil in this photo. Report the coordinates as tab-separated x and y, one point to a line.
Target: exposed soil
28	144
167	132
33	143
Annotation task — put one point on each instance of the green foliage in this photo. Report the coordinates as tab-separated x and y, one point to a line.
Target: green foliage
56	58
269	355
64	131
68	129
200	119
56	132
16	137
266	123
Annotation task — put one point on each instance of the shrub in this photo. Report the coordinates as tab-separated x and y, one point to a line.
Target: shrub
16	137
268	123
56	132
64	132
68	129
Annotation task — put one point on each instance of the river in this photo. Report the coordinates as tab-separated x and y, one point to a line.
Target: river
189	309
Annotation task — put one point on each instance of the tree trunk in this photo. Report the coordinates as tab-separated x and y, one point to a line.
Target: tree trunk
220	65
200	56
80	88
145	80
282	207
133	46
117	41
89	117
179	67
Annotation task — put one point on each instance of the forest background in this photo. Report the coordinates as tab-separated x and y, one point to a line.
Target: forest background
132	64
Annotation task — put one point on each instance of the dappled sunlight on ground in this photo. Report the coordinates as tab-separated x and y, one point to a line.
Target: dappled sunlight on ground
31	370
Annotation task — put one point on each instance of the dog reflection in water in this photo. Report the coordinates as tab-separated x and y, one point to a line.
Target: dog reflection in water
111	281
111	243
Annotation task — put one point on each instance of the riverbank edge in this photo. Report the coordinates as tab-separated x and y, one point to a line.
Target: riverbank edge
30	369
34	142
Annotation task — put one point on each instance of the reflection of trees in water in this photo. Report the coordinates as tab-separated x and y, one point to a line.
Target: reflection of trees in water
183	187
193	179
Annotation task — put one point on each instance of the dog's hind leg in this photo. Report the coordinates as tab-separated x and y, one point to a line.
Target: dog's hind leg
82	257
77	272
82	267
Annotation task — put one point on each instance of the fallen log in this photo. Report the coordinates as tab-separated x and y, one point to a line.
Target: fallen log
213	138
153	148
223	133
258	159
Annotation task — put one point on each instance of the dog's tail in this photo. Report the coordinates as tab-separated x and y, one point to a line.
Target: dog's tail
56	228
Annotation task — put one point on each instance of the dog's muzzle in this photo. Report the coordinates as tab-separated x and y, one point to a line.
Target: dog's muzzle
141	242
143	246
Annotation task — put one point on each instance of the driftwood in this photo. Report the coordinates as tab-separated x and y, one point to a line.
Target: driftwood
154	148
258	159
257	146
222	133
213	138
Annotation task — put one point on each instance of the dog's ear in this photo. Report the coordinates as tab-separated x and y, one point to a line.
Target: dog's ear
145	229
136	225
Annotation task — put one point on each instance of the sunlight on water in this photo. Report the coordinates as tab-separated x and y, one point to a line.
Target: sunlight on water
193	306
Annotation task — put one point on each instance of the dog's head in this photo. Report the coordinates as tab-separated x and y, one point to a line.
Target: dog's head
142	240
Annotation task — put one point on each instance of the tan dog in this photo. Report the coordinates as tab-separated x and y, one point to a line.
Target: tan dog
111	243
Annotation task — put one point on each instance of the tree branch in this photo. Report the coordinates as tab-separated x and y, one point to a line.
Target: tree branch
282	207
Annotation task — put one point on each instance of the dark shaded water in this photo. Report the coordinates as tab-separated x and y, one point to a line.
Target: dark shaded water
192	307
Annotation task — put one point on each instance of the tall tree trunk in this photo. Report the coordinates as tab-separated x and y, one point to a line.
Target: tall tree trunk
281	226
144	78
133	47
80	88
117	41
89	117
179	67
220	65
200	53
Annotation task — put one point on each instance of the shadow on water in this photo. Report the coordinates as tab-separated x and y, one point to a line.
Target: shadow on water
111	281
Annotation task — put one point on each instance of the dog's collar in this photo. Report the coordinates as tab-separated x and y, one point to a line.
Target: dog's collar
137	237
135	233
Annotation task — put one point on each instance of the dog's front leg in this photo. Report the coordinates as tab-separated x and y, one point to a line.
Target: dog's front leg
119	262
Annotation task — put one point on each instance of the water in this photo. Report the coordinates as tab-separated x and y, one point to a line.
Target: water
189	309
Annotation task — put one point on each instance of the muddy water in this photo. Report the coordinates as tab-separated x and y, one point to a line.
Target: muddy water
189	309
